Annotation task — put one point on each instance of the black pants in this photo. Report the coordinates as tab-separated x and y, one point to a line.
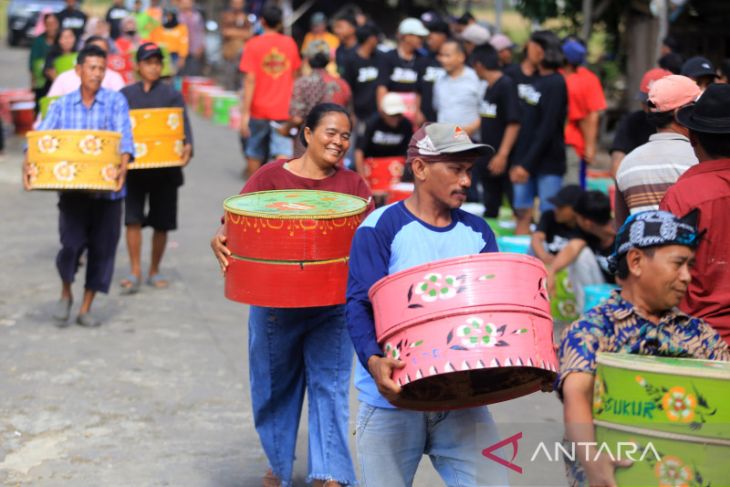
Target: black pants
92	224
495	189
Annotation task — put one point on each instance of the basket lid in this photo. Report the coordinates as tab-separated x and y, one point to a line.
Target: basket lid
711	369
298	203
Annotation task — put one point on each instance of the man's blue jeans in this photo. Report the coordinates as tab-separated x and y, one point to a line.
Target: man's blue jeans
290	350
391	442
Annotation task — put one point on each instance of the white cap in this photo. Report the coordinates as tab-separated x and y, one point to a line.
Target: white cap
393	104
501	41
412	26
476	34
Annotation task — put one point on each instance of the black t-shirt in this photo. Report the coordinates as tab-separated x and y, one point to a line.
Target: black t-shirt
362	76
540	146
556	234
71	18
499	108
601	253
382	140
342	55
114	18
633	130
161	95
429	70
398	74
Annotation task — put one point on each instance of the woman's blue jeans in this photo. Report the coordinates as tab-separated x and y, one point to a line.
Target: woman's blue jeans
290	350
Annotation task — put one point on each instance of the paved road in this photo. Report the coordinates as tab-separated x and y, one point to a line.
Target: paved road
159	394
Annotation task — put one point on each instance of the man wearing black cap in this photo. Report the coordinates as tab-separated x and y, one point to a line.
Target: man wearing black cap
653	257
429	67
160	185
706	187
701	70
426	227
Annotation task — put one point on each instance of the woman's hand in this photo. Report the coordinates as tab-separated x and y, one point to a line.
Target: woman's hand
220	249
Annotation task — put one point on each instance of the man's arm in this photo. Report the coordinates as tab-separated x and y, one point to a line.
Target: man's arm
249	84
122	125
563	259
369	258
589	128
498	162
537	244
621	209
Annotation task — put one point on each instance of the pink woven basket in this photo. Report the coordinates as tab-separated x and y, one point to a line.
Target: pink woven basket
472	330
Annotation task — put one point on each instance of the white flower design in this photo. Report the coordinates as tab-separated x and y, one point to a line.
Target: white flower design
109	172
391	351
140	150
474	333
90	145
48	144
63	171
435	286
173	121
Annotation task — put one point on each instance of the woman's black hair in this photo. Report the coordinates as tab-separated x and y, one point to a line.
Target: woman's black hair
660	120
317	113
319	60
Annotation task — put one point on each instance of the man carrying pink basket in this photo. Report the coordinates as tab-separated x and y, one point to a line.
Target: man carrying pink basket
426	227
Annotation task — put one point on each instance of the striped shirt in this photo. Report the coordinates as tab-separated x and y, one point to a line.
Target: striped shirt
109	111
649	170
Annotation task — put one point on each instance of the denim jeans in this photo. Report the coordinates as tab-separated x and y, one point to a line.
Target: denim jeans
544	186
390	443
290	350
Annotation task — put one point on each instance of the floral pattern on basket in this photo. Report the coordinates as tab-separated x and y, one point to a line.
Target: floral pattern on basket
678	404
435	286
91	145
672	472
48	144
140	149
474	333
63	171
109	172
173	121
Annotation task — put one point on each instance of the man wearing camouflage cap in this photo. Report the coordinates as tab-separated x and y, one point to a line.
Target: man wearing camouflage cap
426	227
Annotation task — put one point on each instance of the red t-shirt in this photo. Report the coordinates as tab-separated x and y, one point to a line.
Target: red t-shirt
706	186
273	176
273	59
585	95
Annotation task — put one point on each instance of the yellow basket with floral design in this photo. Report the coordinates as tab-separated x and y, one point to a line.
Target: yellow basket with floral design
158	137
74	159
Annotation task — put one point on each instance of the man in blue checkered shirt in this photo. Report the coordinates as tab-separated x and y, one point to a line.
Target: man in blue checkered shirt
89	221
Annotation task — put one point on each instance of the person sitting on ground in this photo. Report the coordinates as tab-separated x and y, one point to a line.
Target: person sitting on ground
648	171
653	256
586	256
557	227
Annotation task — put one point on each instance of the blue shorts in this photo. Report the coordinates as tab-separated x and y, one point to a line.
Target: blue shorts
265	142
543	186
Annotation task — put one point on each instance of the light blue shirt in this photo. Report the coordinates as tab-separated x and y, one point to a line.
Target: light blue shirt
109	111
457	100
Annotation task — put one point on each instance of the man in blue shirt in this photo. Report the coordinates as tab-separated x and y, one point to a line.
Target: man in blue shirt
88	220
426	227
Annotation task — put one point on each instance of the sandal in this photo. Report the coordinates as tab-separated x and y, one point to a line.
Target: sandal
131	284
158	281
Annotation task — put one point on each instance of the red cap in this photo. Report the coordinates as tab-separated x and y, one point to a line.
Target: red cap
649	78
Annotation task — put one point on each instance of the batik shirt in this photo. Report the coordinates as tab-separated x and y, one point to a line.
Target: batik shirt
615	326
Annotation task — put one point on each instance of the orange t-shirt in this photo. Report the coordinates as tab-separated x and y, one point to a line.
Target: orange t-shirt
585	95
273	59
175	39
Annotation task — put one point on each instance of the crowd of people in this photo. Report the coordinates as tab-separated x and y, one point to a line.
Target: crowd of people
471	124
